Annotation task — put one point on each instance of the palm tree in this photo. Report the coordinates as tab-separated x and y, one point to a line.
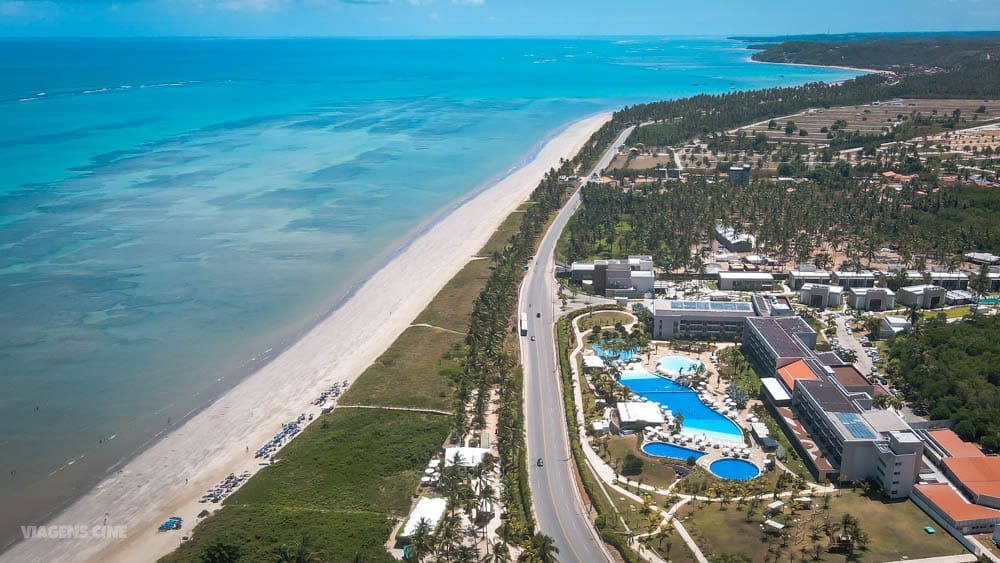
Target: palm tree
448	536
485	498
220	552
543	548
422	542
299	553
464	554
501	553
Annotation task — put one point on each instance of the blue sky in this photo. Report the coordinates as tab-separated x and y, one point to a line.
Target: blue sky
486	17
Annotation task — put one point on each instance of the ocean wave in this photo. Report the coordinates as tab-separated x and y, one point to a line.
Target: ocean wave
106	89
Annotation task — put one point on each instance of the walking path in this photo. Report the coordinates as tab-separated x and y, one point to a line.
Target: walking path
431	411
965	557
690	542
425	325
986	551
609	479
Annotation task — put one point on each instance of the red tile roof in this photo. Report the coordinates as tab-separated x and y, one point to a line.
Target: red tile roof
793	372
955	446
954	505
980	475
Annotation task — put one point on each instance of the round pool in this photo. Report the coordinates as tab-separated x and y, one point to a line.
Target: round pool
678	365
662	449
734	469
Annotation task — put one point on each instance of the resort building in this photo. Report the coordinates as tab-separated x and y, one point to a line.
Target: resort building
871	298
860	442
950	509
993	281
774	342
892	325
745	281
821	296
733	240
466	457
699	320
635	415
923	296
982	258
739	175
978	477
826	408
772	306
631	277
864	278
774	393
967	505
958	297
948	280
807	274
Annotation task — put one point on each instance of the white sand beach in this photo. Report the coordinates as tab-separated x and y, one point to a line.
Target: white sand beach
168	478
750	59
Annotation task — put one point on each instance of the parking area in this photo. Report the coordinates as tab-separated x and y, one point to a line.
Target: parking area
849	340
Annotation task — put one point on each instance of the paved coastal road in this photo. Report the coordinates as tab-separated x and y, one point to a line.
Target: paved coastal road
558	506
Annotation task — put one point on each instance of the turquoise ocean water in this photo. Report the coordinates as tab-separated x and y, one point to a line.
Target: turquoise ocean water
174	212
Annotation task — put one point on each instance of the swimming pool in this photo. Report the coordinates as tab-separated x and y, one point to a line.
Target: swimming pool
699	419
606	353
678	365
734	469
662	449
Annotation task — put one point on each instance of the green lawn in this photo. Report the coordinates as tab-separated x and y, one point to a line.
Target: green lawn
339	482
452	306
413	372
603	319
949	313
896	531
655	470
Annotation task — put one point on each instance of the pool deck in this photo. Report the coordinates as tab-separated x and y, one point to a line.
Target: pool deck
716	389
610	480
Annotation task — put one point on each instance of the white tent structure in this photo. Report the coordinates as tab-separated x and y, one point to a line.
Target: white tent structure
427	508
468	457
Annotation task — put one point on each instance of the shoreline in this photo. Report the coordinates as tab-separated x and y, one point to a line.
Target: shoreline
276	348
750	59
169	476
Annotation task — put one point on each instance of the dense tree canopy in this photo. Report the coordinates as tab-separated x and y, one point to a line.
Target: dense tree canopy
668	219
885	52
953	371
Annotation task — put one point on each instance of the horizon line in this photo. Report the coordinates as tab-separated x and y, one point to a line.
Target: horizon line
742	38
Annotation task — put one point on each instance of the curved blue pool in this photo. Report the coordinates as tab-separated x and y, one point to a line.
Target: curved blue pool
662	449
734	469
699	419
678	365
604	351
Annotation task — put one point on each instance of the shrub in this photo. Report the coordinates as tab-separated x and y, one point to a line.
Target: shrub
632	465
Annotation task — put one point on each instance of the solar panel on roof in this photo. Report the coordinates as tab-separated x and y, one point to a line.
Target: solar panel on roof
855	425
709	306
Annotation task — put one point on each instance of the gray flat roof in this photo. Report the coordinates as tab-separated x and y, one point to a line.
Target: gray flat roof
828	396
778	333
